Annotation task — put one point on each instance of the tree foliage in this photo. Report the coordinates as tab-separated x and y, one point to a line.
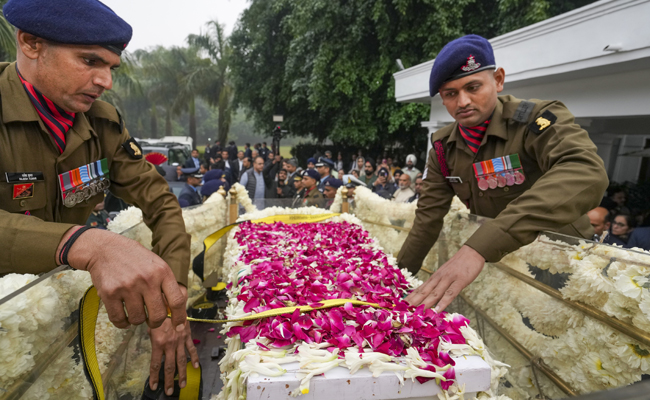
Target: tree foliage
327	65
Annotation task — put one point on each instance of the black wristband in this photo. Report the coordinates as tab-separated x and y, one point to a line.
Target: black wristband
63	256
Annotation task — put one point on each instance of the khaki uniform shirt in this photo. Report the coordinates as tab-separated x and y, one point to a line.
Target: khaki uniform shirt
565	178
314	198
30	241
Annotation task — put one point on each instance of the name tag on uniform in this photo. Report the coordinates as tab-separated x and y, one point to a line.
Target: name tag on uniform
19	177
454	179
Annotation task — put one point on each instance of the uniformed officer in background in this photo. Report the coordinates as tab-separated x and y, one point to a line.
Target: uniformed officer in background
310	195
190	195
526	164
60	148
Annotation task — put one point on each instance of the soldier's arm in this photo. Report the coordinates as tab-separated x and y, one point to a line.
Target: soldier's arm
29	243
573	183
137	182
433	205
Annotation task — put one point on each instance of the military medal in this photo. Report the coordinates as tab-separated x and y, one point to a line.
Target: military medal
501	181
84	182
492	182
483	184
519	177
510	179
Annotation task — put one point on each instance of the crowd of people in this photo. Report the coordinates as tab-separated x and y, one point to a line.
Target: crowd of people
271	179
616	222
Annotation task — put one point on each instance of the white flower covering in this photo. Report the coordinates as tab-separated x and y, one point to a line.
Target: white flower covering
239	363
243	199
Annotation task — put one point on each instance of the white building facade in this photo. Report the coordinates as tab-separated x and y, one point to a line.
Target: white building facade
595	59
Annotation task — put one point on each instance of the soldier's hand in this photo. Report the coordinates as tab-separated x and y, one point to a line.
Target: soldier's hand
127	275
167	341
447	282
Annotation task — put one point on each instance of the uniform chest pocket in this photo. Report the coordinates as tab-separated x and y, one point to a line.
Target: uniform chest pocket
22	197
509	192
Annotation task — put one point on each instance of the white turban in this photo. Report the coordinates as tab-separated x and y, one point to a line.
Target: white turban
412	158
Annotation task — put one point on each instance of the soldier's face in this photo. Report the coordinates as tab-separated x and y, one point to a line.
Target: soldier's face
308	182
329	192
72	76
471	100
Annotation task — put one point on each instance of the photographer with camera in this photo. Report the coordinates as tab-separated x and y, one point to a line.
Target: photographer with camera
381	186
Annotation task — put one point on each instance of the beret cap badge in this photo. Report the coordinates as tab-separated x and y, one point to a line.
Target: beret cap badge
471	64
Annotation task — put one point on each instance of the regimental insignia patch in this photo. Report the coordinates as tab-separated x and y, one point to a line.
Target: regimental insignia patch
23	191
541	123
133	148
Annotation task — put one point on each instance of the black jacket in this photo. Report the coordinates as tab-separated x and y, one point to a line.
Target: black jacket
189	197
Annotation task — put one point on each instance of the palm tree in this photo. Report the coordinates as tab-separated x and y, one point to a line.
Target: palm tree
215	87
7	38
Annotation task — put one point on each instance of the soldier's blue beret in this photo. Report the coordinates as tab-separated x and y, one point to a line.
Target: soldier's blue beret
459	58
325	162
312	174
84	22
335	183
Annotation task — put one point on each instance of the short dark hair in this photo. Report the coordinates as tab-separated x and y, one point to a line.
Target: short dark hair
195	149
248	158
204	165
260	157
264	143
283	170
248	144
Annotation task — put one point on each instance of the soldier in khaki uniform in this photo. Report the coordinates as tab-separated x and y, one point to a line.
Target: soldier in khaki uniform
311	196
526	164
60	148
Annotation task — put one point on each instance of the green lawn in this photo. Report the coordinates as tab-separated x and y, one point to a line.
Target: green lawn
285	151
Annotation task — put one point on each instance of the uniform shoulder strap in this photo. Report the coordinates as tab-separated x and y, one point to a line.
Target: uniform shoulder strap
523	111
439	148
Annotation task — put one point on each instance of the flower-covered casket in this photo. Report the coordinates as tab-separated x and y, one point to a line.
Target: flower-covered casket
371	344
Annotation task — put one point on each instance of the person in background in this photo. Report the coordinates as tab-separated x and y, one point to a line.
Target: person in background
355	173
216	149
255	154
232	151
353	163
368	176
231	165
179	173
381	186
417	190
410	167
599	218
324	167
193	161
207	152
297	184
212	181
253	181
203	168
264	152
240	163
311	163
396	176
99	218
622	227
339	162
391	167
246	165
340	173
292	168
615	200
270	172
311	196
360	165
331	187
247	150
404	192
284	189
190	194
640	238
